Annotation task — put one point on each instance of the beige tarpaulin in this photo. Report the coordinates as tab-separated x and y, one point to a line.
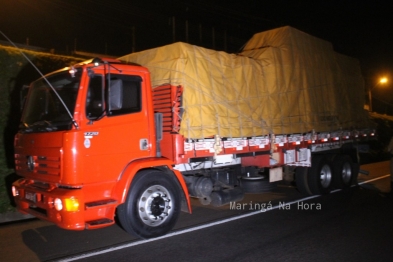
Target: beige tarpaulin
284	81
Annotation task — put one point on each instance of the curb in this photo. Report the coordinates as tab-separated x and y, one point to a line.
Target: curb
13	216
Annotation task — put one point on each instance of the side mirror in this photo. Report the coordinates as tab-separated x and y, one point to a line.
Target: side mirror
115	95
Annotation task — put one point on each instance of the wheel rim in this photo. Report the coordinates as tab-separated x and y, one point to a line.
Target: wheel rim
326	176
155	205
346	173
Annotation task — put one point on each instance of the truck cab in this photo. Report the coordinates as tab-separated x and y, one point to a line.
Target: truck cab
86	132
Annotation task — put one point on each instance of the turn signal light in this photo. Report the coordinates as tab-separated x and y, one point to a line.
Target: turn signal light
71	204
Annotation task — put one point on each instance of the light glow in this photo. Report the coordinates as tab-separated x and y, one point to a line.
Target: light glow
15	191
71	204
58	204
383	80
72	72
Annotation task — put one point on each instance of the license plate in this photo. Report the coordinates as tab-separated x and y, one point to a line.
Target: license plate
31	196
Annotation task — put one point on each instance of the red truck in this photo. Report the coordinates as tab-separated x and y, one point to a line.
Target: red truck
109	137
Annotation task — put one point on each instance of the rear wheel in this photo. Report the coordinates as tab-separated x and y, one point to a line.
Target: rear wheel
152	206
345	171
320	176
256	184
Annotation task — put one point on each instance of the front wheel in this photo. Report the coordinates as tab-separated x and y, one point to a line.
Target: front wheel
152	206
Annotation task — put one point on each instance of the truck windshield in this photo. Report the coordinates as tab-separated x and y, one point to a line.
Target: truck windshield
44	111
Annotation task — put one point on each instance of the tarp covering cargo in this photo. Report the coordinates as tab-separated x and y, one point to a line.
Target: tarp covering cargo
284	81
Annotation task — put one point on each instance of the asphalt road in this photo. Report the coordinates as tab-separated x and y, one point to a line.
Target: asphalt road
353	225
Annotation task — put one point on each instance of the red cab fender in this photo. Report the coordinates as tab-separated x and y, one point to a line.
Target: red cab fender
121	188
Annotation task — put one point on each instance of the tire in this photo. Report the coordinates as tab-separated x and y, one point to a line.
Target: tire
320	177
152	206
257	186
345	172
301	174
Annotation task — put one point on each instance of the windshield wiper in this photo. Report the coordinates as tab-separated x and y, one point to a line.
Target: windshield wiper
42	125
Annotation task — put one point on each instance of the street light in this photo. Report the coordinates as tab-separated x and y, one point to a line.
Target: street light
383	80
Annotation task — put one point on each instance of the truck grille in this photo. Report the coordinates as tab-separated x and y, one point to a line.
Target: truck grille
44	165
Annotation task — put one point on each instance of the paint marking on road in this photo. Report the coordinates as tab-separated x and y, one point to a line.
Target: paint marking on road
187	230
374	179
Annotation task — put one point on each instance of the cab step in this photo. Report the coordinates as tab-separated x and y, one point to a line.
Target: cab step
100	203
99	223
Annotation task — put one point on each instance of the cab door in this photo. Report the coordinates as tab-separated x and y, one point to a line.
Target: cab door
118	128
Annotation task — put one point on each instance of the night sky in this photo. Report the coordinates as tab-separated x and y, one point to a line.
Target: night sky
361	29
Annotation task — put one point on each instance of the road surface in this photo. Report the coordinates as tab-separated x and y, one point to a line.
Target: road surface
354	225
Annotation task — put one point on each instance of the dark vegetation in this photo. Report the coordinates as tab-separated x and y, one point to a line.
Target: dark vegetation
15	72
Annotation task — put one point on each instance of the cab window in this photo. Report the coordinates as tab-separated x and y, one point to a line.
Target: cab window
124	94
95	97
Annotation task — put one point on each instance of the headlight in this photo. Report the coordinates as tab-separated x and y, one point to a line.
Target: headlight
69	204
15	191
58	204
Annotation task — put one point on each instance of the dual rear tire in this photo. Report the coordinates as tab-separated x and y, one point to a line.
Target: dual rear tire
326	173
346	172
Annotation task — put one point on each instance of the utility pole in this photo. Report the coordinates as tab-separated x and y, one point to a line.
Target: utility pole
133	39
383	80
173	29
186	31
200	34
213	38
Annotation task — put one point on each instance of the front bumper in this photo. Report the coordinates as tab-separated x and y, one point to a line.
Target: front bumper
38	199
